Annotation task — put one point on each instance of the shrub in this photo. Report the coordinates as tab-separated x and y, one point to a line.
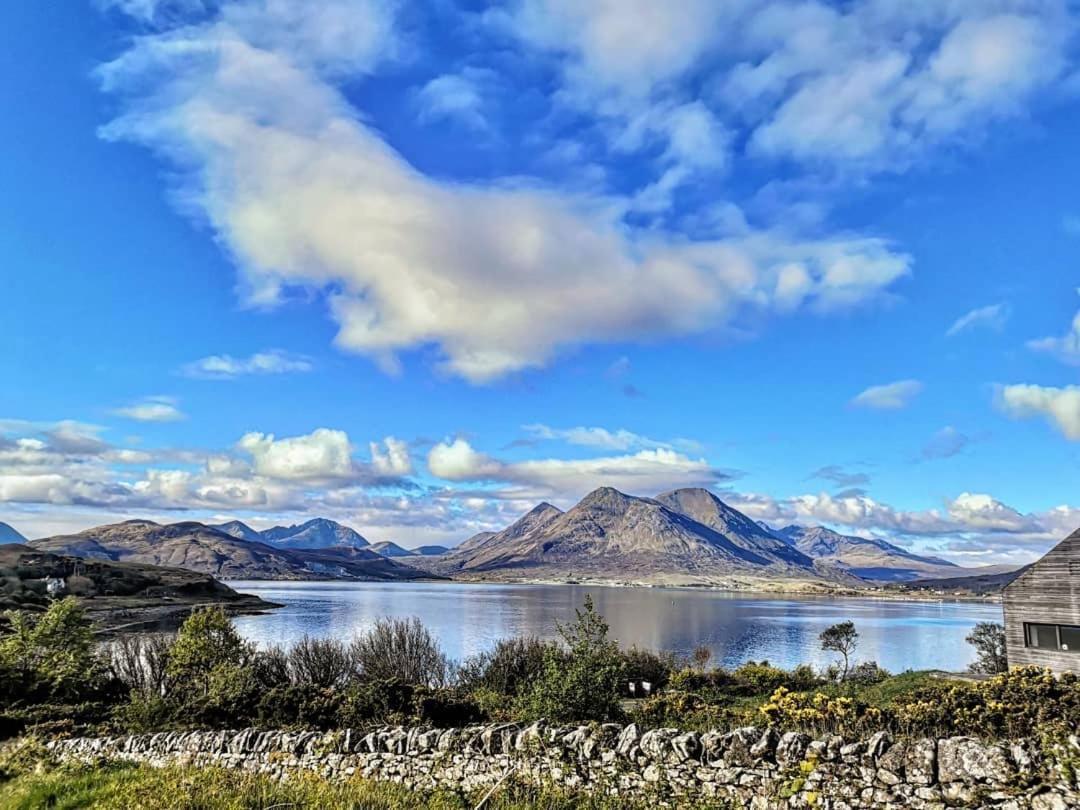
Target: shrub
645	665
320	662
819	713
867	673
141	662
506	669
400	649
303	705
757	678
1019	703
583	682
51	656
206	640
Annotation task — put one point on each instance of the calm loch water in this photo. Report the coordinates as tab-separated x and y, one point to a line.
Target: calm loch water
468	618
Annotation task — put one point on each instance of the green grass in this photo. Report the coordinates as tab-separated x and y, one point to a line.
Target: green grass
132	787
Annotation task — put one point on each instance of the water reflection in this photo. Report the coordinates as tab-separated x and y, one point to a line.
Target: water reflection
468	618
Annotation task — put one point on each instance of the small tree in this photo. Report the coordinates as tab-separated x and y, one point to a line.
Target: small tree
582	682
841	638
206	640
988	639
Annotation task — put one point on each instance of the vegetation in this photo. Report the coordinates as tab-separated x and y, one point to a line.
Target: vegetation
988	639
841	638
130	787
55	679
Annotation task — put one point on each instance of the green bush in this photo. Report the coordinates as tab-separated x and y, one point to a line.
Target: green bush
583	682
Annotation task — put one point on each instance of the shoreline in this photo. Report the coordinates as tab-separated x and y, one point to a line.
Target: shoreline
768	589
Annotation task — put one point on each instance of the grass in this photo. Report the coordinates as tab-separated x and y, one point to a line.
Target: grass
135	787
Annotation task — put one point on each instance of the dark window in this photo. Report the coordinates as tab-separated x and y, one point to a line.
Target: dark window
1052	636
1070	638
1043	636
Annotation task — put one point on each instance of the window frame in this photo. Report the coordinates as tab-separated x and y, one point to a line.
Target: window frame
1058	646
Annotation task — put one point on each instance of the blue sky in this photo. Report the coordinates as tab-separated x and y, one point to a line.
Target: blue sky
419	266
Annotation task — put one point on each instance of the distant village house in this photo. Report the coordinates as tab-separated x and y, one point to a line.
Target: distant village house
55	586
1042	611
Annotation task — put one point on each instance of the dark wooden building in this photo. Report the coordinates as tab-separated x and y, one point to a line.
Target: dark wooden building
1042	611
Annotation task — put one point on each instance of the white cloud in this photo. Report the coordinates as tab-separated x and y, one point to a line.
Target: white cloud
269	146
605	439
226	366
866	85
323	453
458	461
455	97
891	396
1060	406
391	458
992	316
1066	348
645	472
152	409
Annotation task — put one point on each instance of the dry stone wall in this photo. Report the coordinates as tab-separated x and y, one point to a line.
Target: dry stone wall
750	767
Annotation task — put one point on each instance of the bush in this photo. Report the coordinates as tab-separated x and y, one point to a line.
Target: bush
582	683
206	640
645	665
141	662
507	669
51	657
400	649
1026	702
756	678
320	662
867	673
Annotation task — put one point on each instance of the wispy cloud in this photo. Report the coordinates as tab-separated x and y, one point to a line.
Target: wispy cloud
891	396
1066	347
993	316
605	439
152	409
841	477
946	443
227	367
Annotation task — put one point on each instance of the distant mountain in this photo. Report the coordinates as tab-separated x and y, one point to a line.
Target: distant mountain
239	530
867	557
9	535
611	535
431	551
196	547
987	579
389	549
316	533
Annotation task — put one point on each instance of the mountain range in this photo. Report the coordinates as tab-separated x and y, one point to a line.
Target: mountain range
684	536
866	557
209	550
314	534
687	535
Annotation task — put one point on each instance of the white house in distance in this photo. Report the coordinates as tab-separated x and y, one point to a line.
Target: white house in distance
1042	611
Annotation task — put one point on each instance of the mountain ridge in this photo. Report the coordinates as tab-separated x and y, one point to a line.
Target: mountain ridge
196	547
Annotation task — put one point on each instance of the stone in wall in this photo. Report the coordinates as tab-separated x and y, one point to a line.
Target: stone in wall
752	767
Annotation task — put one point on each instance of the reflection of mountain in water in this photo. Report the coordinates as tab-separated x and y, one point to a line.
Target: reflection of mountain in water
469	618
